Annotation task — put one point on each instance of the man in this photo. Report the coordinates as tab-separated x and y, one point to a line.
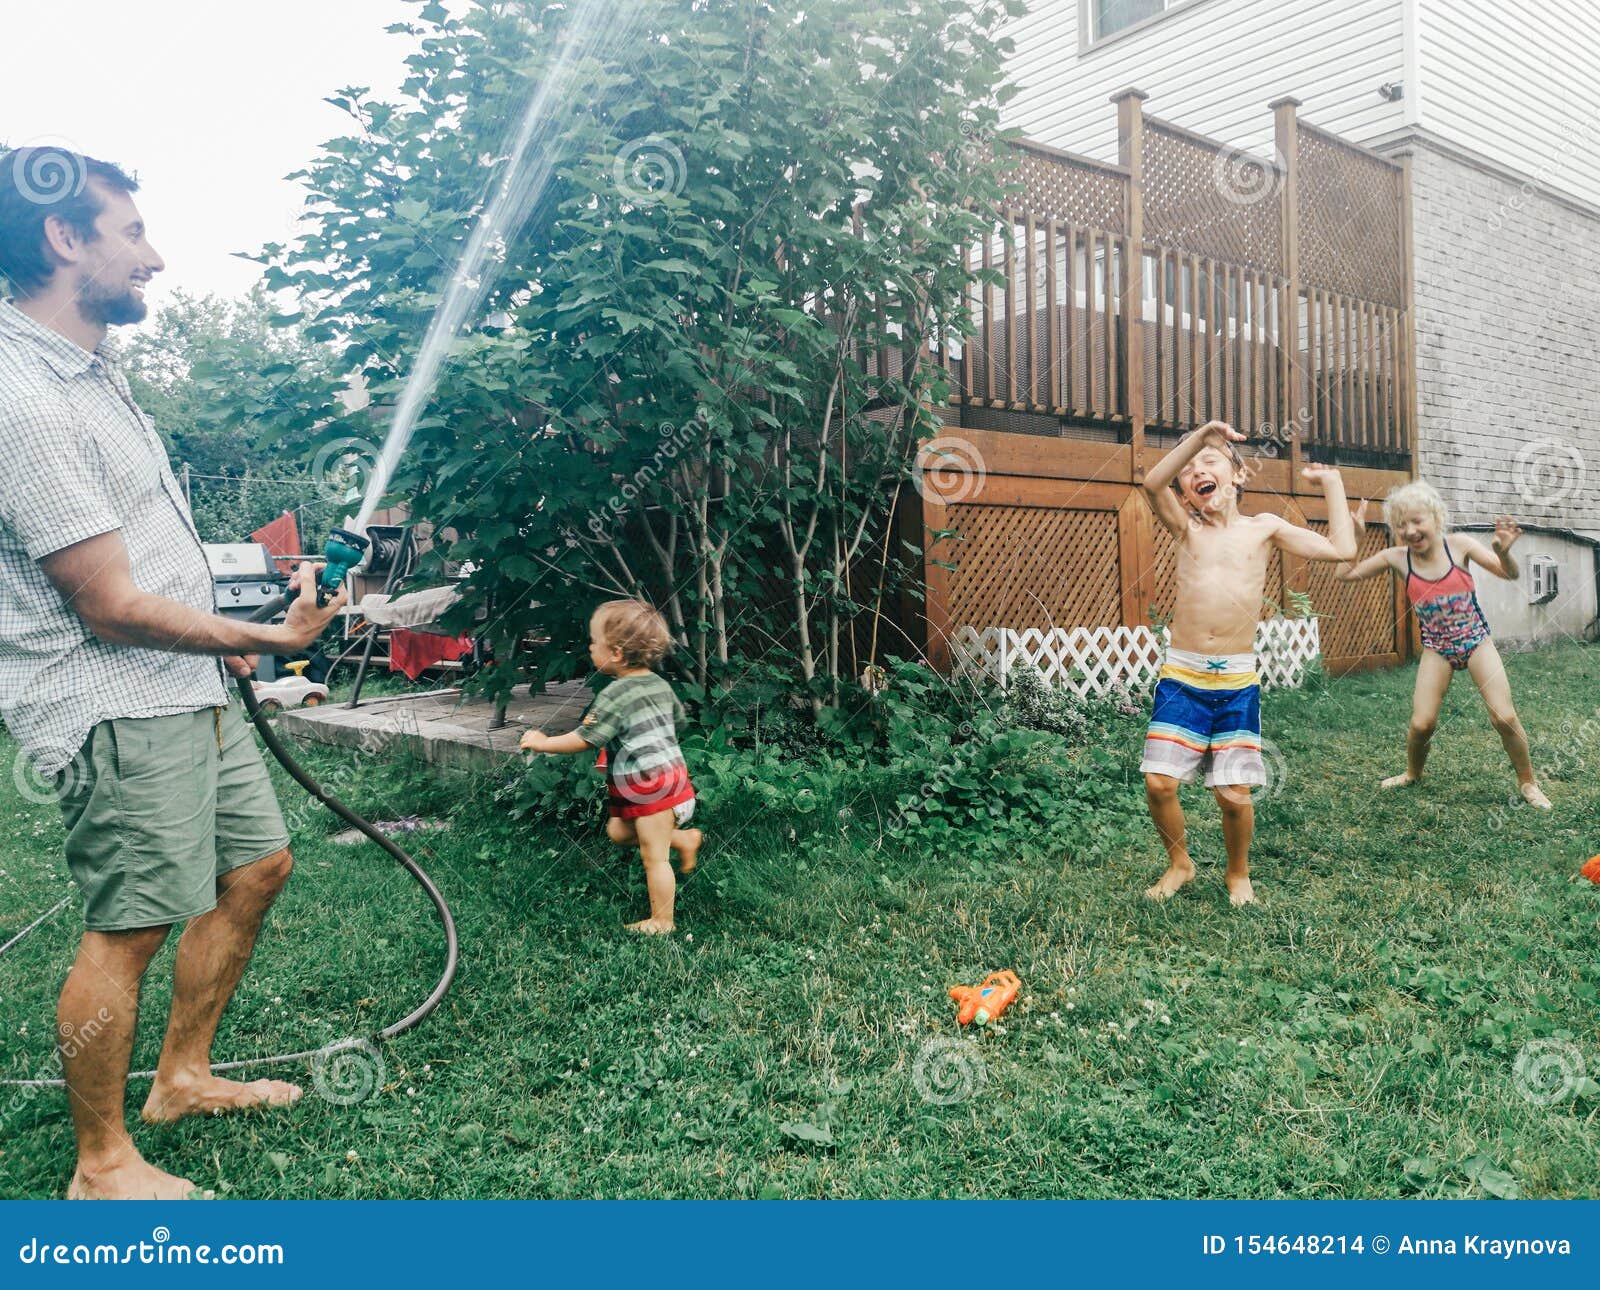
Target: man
113	670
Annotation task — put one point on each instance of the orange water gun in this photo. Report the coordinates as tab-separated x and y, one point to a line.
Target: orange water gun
984	1003
1591	869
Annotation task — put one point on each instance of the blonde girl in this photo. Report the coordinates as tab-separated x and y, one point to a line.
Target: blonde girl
1455	635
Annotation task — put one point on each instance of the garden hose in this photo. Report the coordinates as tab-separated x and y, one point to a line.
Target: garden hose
301	776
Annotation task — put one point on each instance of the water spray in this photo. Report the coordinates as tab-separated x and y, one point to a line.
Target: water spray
527	171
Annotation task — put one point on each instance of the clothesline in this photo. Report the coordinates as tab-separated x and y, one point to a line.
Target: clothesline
253	479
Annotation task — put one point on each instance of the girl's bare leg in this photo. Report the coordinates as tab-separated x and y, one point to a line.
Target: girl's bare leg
1161	793
1489	671
1238	828
621	831
655	849
1433	679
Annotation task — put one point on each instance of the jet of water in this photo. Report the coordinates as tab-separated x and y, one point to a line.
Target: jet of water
595	25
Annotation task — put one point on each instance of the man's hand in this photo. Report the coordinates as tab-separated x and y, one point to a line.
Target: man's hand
1506	533
241	665
306	620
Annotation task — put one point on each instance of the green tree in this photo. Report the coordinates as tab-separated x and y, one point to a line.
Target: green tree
703	371
215	374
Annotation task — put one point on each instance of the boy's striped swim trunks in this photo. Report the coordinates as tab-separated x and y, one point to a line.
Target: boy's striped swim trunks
1207	714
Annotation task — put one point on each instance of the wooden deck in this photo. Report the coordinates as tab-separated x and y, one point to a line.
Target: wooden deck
442	727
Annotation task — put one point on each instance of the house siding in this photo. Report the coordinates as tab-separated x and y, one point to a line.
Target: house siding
1518	83
1507	380
1213	66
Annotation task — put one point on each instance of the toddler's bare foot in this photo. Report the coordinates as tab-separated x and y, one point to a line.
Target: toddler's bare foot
1399	781
171	1100
1171	882
689	851
1240	892
1534	796
132	1179
651	927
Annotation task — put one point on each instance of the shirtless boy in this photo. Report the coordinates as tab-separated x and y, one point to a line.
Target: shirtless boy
1207	712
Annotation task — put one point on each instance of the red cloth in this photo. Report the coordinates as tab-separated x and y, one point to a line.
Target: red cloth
281	537
414	652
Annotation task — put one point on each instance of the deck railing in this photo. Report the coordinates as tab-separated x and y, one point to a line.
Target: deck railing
1272	293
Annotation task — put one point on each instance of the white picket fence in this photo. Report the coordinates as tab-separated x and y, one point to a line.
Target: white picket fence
1098	660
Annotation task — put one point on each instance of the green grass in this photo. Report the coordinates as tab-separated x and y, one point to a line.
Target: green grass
1354	1035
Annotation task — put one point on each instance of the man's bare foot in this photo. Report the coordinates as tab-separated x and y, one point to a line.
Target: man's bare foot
1171	882
1240	892
651	927
132	1179
689	854
213	1095
1399	781
1534	796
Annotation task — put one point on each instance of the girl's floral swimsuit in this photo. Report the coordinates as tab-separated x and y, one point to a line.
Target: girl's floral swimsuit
1448	612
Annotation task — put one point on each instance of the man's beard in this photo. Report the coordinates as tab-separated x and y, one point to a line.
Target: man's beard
110	308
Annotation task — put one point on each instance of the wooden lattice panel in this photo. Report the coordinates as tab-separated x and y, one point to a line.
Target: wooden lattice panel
1034	566
1357	617
1350	220
1210	199
1057	187
1160	597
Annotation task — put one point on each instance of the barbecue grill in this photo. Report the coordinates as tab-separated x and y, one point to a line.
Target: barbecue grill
243	578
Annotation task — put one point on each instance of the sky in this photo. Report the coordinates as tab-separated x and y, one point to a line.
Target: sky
209	102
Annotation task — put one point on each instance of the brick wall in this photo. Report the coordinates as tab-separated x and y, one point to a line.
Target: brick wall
1508	346
1508	374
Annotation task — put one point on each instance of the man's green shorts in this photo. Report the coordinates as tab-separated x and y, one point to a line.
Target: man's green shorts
157	807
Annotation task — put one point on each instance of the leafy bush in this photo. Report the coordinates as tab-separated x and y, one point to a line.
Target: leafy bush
1033	704
919	762
1014	792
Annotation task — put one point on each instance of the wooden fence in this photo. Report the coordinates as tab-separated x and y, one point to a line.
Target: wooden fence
1187	282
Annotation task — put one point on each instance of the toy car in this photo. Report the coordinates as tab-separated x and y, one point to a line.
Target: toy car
290	691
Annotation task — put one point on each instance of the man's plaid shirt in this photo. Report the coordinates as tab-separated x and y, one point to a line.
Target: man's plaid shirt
78	458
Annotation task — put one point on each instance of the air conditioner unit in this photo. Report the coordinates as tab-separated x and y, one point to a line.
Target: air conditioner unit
1545	576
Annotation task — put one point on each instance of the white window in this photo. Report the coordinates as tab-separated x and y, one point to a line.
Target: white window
1107	17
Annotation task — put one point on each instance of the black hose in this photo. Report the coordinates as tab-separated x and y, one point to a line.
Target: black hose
301	776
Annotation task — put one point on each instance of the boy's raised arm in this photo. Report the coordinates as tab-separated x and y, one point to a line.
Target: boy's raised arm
1373	564
1341	524
1340	544
1157	483
1166	470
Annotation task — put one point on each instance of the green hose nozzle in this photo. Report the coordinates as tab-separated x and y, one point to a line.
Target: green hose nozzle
343	552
